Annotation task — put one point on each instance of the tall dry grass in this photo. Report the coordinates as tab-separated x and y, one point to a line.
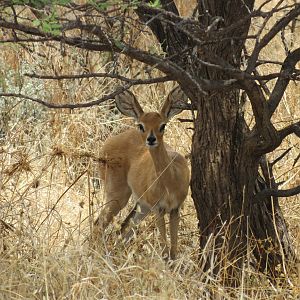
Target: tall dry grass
50	193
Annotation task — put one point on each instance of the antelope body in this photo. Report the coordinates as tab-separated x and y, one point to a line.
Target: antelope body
139	163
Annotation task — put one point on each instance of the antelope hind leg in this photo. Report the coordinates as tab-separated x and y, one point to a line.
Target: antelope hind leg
117	198
132	220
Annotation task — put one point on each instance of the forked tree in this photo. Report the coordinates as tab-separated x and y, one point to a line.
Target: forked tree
208	55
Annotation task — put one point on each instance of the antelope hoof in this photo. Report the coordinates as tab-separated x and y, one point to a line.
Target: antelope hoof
173	254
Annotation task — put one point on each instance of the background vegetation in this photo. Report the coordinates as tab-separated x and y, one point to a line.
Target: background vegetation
50	193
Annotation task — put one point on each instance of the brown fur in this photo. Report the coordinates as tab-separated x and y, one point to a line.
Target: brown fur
156	176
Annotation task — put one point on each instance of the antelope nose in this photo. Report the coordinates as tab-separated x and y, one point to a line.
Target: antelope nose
151	139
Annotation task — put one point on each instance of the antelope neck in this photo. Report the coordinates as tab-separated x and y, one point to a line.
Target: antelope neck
161	161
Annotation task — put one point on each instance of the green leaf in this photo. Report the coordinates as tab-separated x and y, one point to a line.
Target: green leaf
55	26
36	22
155	4
46	27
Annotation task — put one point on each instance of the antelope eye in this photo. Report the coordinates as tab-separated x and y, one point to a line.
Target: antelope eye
141	127
162	127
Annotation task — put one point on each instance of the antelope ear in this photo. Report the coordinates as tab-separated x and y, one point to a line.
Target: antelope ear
128	105
174	103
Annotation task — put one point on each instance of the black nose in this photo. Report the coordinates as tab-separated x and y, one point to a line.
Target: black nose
151	139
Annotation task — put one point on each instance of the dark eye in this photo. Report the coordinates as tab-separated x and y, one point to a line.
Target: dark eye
141	127
162	127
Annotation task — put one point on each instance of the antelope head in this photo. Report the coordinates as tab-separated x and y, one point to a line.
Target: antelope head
152	124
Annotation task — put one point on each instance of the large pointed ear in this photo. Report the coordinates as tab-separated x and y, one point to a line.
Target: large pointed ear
128	105
174	103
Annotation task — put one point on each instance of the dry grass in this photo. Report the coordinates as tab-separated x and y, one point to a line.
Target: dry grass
49	197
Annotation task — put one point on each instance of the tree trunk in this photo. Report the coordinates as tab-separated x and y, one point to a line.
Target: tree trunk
225	170
221	175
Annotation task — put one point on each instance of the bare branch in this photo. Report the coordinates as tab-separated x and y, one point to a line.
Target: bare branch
87	44
285	76
264	137
280	157
80	105
166	66
254	14
296	160
166	35
261	82
185	120
68	105
237	74
258	101
279	25
25	40
101	75
278	193
265	61
294	128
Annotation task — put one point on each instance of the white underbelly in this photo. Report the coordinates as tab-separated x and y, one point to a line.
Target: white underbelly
166	203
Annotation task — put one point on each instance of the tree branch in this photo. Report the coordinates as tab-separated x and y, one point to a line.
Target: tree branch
253	14
169	66
280	157
68	105
294	128
278	193
101	75
80	105
263	137
258	101
26	40
279	25
172	39
165	65
238	74
285	76
168	36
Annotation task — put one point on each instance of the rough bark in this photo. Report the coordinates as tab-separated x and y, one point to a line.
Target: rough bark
225	168
222	170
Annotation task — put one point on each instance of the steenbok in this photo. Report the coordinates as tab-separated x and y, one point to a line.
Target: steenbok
138	162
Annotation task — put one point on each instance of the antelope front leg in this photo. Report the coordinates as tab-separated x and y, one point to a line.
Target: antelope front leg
174	221
139	212
161	224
